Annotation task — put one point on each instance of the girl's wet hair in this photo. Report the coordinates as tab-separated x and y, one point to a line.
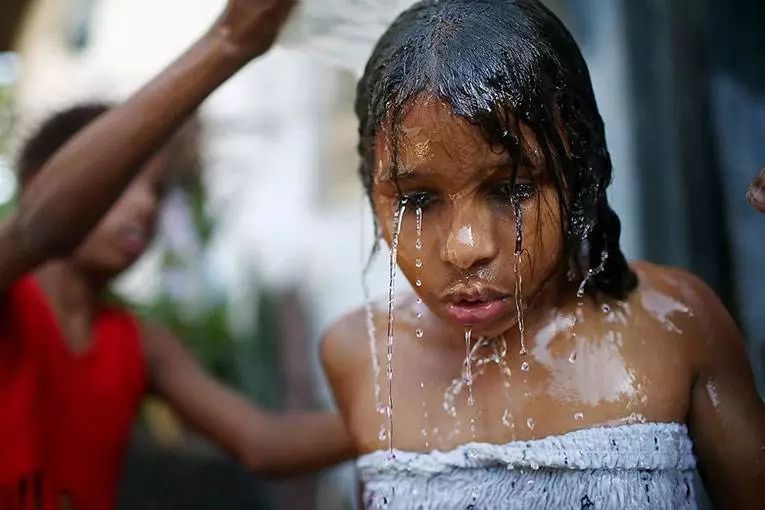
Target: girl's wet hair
499	63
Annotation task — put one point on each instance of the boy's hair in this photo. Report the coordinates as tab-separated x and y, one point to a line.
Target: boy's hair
500	63
52	134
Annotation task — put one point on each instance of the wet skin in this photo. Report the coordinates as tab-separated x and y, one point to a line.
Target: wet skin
669	352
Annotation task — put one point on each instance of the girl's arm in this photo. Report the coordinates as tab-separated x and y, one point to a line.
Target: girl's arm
727	416
85	177
265	442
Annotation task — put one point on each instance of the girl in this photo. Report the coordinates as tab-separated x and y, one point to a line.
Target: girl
72	369
534	367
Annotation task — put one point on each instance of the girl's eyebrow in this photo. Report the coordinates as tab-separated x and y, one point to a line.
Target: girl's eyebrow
401	173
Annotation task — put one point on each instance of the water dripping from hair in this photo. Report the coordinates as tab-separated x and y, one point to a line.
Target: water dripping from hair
366	266
397	222
519	306
419	332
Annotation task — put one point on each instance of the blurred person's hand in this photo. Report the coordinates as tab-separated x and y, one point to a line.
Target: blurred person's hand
250	27
756	192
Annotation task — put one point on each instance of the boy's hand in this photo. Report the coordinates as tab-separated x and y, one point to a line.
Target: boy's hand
756	192
249	27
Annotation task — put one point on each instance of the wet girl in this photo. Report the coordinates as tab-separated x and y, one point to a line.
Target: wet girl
72	369
534	367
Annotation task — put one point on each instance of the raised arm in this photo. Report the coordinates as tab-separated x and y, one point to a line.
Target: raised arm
727	416
77	186
267	443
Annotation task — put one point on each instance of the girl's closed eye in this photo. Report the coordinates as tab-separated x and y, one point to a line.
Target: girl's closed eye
509	192
418	199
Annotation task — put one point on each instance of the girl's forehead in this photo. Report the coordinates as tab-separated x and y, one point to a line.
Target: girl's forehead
431	137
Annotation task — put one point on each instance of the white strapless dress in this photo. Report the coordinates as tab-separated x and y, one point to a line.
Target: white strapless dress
648	465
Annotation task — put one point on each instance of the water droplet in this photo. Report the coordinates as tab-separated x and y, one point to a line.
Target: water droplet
534	465
572	357
418	244
530	423
578	416
418	315
418	333
525	366
418	263
418	283
422	385
605	308
507	418
419	301
383	434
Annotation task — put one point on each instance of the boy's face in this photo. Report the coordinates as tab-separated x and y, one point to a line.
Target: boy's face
125	232
466	263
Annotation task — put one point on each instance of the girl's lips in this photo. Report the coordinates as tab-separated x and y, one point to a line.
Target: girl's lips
133	240
477	312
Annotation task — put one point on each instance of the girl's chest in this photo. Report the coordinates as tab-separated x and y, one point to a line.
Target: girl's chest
441	401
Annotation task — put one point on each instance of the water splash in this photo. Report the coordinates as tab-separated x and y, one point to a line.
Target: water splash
518	277
591	273
500	351
398	220
519	306
469	366
457	385
662	307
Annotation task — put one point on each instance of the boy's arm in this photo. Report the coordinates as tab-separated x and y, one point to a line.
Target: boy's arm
267	443
78	185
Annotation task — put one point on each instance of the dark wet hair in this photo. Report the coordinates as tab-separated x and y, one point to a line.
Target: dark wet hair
498	63
52	134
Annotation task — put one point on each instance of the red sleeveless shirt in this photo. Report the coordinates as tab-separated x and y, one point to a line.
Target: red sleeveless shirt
89	401
24	482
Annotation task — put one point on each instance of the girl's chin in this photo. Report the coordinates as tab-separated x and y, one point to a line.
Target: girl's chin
486	329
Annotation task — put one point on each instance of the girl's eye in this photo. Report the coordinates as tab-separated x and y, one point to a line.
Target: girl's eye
519	192
418	199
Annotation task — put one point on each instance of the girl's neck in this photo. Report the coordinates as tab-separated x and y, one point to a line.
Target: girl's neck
70	291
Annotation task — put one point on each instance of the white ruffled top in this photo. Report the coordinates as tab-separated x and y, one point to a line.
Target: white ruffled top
648	465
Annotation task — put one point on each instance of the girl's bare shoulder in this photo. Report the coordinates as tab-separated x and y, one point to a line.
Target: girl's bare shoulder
688	301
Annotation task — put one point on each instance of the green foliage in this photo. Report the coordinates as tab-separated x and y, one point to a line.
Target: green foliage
6	116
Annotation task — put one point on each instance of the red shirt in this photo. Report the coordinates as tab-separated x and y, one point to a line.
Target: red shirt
24	332
89	400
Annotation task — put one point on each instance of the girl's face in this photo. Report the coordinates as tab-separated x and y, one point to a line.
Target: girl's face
125	232
466	268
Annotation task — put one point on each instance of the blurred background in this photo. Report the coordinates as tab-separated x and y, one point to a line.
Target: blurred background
261	245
